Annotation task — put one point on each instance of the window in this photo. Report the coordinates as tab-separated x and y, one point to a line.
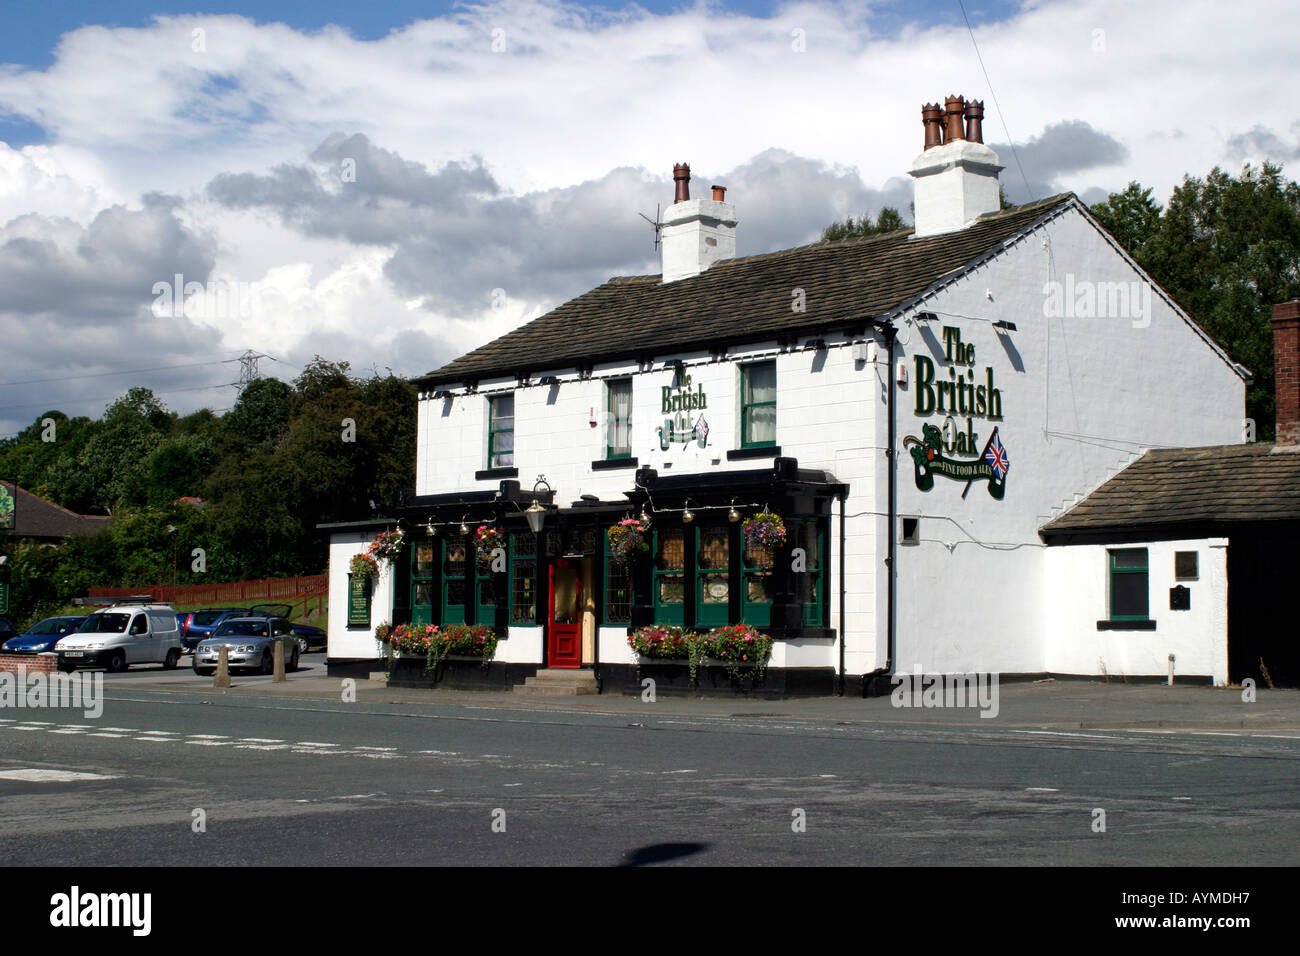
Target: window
523	578
422	582
808	583
618	444
669	576
756	567
1185	565
1128	584
455	551
758	405
712	577
501	431
618	588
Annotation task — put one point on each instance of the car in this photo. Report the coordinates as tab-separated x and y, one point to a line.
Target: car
251	645
7	629
43	635
310	637
200	624
121	635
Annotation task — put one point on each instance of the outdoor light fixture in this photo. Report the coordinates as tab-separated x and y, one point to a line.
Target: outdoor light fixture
1002	325
733	515
645	518
549	380
818	344
464	529
687	514
441	393
926	317
535	514
428	528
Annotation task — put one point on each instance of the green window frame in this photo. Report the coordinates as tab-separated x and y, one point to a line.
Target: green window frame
756	584
1129	597
422	568
618	434
669	576
808	588
455	555
712	576
523	578
501	431
485	592
758	405
617	606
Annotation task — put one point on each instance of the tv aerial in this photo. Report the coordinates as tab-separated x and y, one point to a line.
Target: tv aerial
656	222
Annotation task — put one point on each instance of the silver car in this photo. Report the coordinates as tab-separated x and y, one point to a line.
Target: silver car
251	641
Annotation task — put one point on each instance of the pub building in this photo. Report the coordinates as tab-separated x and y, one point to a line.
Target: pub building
918	407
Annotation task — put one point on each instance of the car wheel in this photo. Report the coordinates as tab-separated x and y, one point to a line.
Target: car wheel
117	662
203	671
293	661
302	645
268	662
173	658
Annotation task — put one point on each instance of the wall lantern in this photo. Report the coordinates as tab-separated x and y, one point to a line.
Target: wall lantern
535	514
464	529
428	528
687	514
1003	326
549	380
732	514
926	317
441	393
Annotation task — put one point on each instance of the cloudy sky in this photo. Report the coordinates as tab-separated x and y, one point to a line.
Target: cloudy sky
393	184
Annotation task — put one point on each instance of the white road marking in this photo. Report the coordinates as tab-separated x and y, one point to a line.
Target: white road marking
262	740
1070	733
262	747
159	740
106	735
210	743
359	747
67	731
313	743
21	727
54	776
208	736
121	730
1041	790
159	733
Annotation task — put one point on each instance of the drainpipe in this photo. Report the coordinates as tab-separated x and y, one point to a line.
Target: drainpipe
890	462
840	690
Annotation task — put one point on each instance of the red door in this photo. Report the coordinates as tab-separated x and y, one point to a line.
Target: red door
564	617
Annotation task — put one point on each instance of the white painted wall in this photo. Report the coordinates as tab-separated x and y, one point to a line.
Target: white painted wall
1081	397
355	642
1077	597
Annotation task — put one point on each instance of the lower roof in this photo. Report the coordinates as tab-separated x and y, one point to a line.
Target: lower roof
1217	486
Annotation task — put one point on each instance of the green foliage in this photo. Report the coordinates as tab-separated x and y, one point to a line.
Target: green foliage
888	220
269	471
1227	248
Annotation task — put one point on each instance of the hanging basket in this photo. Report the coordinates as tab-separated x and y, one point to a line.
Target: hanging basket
764	530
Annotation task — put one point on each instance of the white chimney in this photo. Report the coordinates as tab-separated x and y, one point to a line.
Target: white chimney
957	175
696	232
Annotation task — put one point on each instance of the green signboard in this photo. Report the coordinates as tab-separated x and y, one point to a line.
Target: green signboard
358	601
6	507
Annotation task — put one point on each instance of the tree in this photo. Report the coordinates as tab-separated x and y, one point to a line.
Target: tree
1227	249
888	220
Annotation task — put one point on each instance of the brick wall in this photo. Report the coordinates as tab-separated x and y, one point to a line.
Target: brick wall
1286	370
42	663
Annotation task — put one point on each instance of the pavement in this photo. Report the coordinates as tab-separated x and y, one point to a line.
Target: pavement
1048	704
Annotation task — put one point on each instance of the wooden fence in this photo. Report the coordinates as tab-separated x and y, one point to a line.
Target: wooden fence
307	590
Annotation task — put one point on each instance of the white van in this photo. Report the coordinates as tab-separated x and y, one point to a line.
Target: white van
117	637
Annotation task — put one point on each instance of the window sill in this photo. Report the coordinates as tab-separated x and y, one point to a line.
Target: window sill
490	474
608	464
1126	625
762	451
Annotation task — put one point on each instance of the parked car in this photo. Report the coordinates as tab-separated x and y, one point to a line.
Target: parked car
7	629
43	635
310	637
121	635
251	642
200	624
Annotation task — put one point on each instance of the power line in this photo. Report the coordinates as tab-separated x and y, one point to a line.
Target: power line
110	398
133	371
997	106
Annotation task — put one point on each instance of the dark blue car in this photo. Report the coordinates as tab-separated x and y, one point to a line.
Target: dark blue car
199	625
43	635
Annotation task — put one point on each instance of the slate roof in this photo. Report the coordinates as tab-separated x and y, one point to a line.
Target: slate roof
34	517
1220	485
745	299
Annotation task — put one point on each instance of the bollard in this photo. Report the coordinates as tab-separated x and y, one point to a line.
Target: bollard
222	677
278	670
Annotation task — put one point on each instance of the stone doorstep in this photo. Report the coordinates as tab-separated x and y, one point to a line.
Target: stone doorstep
558	683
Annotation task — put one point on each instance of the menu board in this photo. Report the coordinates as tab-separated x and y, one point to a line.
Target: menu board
358	601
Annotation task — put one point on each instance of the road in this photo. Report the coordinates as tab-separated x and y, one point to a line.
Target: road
451	782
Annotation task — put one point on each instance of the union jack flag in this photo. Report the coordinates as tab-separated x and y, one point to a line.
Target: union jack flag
996	456
702	429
